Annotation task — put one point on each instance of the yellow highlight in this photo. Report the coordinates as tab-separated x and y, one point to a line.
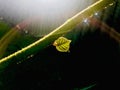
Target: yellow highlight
69	24
84	10
5	40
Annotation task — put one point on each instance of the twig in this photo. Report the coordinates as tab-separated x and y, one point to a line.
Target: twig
48	39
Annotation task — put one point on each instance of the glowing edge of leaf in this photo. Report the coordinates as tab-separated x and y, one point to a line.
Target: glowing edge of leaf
69	24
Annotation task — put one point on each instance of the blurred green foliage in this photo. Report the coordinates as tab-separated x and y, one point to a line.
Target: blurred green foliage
4	27
20	41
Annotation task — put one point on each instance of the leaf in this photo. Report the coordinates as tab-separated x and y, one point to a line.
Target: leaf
62	44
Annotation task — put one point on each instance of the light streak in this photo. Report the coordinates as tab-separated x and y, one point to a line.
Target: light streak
105	28
7	38
68	25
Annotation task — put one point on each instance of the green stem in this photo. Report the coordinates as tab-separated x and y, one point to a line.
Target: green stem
49	39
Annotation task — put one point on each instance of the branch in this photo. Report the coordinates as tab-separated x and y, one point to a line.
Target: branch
49	39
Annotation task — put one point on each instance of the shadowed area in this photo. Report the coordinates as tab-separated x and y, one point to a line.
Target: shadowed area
93	58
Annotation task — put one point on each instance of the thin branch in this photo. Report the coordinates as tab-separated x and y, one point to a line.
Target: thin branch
48	39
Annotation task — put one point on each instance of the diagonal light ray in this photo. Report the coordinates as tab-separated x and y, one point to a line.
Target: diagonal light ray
48	39
105	28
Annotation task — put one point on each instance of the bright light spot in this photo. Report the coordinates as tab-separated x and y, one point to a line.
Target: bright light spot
26	31
51	13
105	7
111	4
96	13
85	20
46	9
30	56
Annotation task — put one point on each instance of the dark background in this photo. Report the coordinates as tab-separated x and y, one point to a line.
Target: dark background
93	59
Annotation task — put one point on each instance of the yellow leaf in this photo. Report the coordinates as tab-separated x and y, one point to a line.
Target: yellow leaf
62	44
